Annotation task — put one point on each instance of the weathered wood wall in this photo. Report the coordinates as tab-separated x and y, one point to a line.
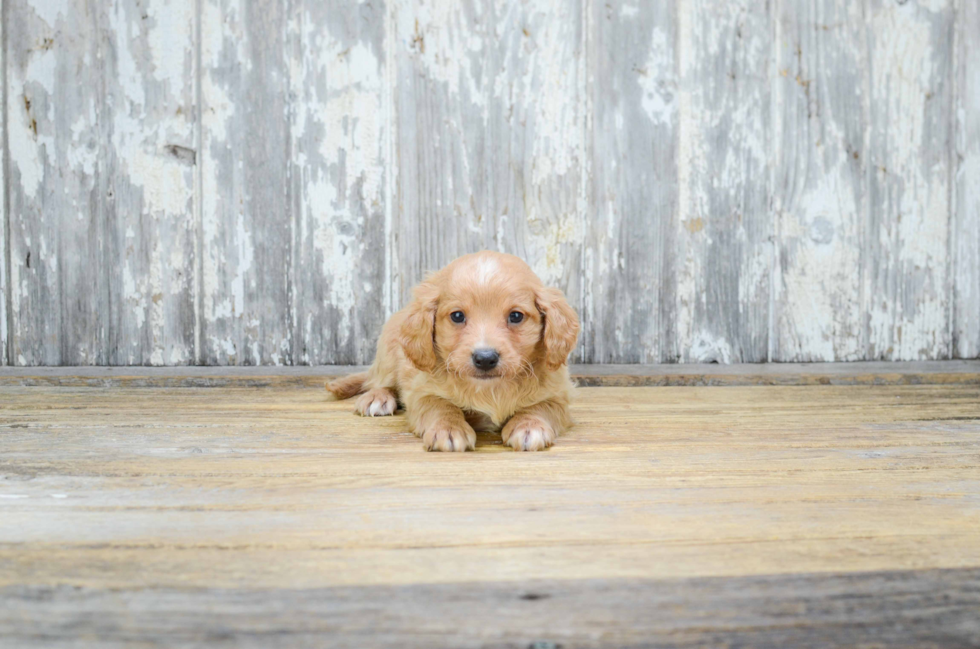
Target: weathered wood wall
263	181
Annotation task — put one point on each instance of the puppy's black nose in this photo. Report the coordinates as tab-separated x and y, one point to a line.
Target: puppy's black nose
485	359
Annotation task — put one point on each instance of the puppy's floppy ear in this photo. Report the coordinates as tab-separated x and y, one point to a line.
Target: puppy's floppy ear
560	326
417	334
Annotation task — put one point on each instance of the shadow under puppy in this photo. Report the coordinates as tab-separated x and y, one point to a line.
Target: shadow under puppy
483	346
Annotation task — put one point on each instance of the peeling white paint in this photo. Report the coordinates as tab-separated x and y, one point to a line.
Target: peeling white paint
219	107
915	196
245	257
819	293
24	144
4	250
706	348
658	80
171	21
516	137
722	161
338	86
438	34
221	42
49	10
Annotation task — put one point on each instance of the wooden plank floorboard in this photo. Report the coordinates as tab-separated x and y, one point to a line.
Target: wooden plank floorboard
674	516
927	608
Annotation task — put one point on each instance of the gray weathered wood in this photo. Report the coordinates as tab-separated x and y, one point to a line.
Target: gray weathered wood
906	608
5	225
100	116
259	182
491	144
906	294
293	181
819	201
149	158
629	252
723	235
862	181
965	236
539	155
876	373
440	205
338	179
247	211
57	128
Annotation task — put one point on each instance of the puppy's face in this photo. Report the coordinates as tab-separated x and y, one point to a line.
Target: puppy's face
487	333
487	318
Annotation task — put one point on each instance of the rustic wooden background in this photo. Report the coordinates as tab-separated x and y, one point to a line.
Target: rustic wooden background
262	181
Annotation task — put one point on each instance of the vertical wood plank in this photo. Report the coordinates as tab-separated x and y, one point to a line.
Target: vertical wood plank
492	147
443	53
540	152
247	208
56	125
100	119
338	179
621	148
150	159
819	201
630	243
906	294
5	227
966	217
724	249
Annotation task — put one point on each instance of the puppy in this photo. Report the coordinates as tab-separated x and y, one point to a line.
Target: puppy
483	346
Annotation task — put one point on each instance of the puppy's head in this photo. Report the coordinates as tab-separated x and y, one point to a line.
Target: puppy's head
486	317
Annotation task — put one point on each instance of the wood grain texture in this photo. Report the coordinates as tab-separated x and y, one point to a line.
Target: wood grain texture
540	121
878	373
630	255
965	236
491	144
247	214
916	609
241	182
338	179
907	229
723	242
57	131
847	506
5	225
820	190
441	201
294	181
150	164
101	122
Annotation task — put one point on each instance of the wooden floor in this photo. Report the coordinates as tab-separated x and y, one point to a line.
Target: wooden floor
670	516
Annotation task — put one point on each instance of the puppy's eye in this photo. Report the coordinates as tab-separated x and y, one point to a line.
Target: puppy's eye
458	317
516	317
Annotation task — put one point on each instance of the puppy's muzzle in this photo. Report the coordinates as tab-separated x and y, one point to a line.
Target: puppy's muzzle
485	359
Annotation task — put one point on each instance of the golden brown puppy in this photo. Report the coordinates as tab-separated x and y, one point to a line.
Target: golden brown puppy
483	346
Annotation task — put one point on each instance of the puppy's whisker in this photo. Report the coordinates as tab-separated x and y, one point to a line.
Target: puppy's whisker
527	368
454	372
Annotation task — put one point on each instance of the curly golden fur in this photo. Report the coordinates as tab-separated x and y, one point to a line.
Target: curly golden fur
482	346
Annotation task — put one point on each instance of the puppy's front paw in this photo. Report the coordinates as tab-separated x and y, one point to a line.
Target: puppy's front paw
444	436
528	433
378	402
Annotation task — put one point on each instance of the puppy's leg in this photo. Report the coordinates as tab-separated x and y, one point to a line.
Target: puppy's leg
536	428
379	394
377	402
441	425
